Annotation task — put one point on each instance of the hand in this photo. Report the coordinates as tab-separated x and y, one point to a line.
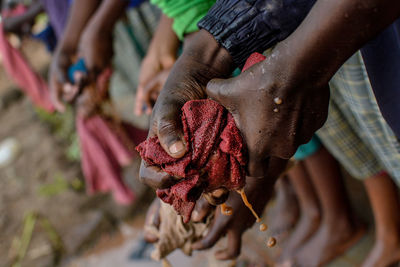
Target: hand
152	220
147	92
61	90
258	191
96	48
156	66
200	212
274	109
201	60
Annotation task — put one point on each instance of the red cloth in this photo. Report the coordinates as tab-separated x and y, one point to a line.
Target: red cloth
19	69
253	59
104	152
106	147
216	149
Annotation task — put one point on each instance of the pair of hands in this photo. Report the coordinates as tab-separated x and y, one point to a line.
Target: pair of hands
272	129
88	35
258	190
95	48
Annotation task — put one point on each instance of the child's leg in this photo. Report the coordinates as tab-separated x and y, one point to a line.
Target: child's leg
337	231
310	214
386	208
285	213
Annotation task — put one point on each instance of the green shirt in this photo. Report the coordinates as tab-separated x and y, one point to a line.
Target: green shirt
186	14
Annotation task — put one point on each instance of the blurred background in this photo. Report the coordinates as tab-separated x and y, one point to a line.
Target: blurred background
46	216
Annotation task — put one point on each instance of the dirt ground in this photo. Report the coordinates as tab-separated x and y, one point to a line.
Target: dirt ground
45	215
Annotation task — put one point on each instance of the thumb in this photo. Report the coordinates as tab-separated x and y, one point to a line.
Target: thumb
221	90
234	245
171	136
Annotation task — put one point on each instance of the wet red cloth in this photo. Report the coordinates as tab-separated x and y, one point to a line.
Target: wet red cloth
216	149
106	147
20	71
253	59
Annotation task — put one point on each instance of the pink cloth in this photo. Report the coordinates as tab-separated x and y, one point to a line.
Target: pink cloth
21	72
104	153
106	147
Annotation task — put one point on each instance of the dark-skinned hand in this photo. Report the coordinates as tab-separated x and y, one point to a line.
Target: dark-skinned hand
258	191
61	89
274	112
96	48
202	60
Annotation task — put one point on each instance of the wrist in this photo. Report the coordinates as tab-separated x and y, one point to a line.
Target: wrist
109	13
202	48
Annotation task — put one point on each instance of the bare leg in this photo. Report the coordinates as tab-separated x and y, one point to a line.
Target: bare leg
285	213
386	208
309	208
338	230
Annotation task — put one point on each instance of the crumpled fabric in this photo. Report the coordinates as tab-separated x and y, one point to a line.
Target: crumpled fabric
173	233
106	147
215	150
20	71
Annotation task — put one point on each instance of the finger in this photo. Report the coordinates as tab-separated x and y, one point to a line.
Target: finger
221	90
233	249
257	166
214	234
152	219
155	177
55	95
217	197
171	137
201	210
139	102
69	92
149	89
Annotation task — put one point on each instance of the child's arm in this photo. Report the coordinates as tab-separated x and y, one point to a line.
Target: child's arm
88	34
95	45
155	67
79	16
16	24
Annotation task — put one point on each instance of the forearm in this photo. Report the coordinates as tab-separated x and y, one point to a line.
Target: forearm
81	12
108	14
13	24
202	60
332	32
164	38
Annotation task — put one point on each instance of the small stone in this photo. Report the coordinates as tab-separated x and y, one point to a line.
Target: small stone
9	150
271	242
278	100
263	227
276	110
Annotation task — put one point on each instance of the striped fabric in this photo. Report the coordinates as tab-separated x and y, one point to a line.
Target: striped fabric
355	132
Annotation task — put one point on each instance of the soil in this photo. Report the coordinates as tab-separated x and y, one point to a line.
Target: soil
44	183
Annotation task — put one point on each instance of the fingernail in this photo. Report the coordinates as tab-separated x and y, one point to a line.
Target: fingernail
176	148
196	246
218	193
67	87
195	215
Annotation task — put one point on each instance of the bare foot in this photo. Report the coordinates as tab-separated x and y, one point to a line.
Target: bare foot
328	243
305	228
284	215
383	254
